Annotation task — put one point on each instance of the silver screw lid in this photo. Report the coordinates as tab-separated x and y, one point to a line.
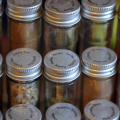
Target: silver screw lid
99	10
99	62
1	116
24	10
63	111
1	65
62	12
101	109
23	64
61	66
1	8
23	112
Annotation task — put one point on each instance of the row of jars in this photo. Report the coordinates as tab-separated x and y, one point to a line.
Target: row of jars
61	73
99	109
61	29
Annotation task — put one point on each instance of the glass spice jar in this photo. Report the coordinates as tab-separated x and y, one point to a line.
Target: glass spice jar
96	23
23	71
118	87
1	12
118	36
61	72
98	74
23	112
24	23
101	109
61	24
63	111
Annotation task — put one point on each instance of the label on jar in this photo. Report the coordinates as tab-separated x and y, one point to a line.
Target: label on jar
23	58
25	3
63	6
101	109
61	59
99	56
63	111
23	112
100	3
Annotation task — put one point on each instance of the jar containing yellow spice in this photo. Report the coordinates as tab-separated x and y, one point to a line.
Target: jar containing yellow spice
23	71
24	23
98	74
61	24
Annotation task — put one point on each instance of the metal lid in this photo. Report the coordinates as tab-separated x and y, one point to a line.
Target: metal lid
1	65
1	116
23	64
23	112
1	8
101	109
24	10
62	12
99	62
98	9
61	66
63	111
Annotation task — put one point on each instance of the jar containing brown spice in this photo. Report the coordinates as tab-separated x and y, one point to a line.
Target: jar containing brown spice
1	12
23	71
61	24
61	72
101	109
96	24
63	111
98	74
23	112
24	23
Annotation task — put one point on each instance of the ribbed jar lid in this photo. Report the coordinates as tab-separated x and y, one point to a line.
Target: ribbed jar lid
24	10
23	64
101	109
99	10
1	8
62	12
99	62
61	66
23	112
1	116
63	111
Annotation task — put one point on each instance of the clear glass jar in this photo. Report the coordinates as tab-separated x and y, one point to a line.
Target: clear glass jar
1	12
61	25
96	24
61	72
23	73
24	28
118	36
98	74
118	87
63	111
101	109
23	112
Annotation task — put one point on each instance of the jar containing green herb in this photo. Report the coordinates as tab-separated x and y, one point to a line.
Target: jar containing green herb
24	23
96	23
61	72
61	20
